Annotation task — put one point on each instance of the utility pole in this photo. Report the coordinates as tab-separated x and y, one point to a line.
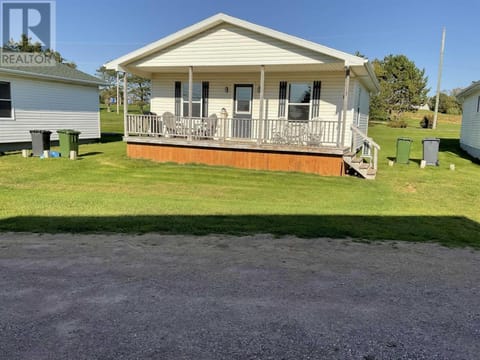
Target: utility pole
440	67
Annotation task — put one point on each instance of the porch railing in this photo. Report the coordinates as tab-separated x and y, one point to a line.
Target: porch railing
314	132
368	148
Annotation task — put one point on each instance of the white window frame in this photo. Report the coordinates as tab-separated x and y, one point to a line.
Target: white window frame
12	108
236	100
478	104
288	103
185	85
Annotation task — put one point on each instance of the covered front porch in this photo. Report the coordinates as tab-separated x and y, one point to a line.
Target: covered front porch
273	120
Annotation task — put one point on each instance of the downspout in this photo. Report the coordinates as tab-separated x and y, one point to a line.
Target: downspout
345	104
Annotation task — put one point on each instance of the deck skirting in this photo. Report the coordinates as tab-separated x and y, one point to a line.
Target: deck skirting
313	163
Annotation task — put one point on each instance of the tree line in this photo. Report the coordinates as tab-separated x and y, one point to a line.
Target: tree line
25	44
139	88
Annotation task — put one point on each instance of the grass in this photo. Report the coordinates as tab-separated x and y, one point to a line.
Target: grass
113	122
104	191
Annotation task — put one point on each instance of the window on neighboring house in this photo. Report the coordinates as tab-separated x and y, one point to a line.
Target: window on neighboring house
5	100
196	99
299	95
478	104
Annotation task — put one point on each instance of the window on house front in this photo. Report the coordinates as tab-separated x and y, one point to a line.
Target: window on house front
196	99
299	95
5	100
478	104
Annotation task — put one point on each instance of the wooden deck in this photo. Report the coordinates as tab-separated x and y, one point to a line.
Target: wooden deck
246	155
268	144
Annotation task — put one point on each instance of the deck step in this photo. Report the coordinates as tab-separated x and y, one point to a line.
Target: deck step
361	168
370	174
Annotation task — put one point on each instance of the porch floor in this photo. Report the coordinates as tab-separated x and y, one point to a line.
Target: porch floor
236	145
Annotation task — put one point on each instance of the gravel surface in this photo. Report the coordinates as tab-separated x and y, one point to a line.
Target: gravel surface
221	297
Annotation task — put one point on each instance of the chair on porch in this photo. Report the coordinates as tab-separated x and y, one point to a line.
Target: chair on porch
173	127
208	127
314	132
278	131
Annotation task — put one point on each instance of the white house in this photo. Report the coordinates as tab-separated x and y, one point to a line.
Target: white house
229	92
46	98
470	133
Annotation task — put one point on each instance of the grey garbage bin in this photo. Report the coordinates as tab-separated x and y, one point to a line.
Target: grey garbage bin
430	151
40	141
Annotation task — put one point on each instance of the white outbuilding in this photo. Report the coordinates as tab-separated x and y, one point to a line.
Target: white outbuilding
46	98
470	134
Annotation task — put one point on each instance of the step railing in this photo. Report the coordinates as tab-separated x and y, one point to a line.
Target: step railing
365	144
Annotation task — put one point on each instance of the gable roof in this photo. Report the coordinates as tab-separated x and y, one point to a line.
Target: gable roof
121	63
58	72
475	86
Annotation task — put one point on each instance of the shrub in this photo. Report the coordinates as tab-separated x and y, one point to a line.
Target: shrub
426	122
397	124
454	111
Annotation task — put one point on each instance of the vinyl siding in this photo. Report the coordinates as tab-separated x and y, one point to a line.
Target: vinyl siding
229	45
331	97
470	132
45	105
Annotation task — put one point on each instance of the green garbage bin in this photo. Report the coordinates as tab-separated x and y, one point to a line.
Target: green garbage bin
403	150
68	141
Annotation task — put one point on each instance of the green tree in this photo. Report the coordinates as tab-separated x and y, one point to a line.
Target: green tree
403	87
108	91
26	45
140	90
447	104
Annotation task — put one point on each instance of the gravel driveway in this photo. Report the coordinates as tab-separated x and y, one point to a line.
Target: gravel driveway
221	297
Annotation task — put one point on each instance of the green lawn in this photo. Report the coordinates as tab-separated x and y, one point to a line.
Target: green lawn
113	122
104	191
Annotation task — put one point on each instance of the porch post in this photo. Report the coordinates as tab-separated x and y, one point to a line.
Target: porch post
260	108
118	93
125	103
190	96
345	104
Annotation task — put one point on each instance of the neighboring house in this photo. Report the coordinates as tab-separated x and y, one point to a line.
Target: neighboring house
229	92
46	98
470	133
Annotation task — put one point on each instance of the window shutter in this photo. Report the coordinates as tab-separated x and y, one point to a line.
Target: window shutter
178	98
282	98
205	86
317	85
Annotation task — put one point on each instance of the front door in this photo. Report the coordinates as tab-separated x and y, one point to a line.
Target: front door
242	111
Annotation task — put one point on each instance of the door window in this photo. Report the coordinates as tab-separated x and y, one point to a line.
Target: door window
243	99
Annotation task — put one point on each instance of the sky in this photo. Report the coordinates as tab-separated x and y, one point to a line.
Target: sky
92	32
